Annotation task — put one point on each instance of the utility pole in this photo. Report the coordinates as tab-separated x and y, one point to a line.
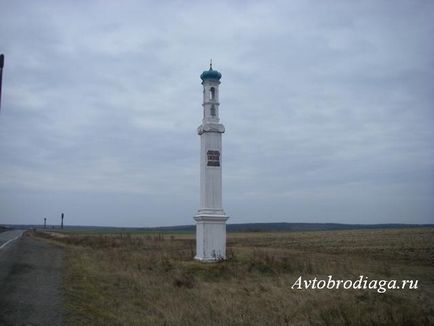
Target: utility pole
61	224
45	222
2	63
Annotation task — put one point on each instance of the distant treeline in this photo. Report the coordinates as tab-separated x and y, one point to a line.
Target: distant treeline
319	226
244	227
2	228
275	227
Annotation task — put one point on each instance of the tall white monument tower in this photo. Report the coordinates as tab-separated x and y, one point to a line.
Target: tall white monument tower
210	218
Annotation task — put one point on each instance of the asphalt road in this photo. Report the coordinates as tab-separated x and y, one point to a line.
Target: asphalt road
9	236
30	281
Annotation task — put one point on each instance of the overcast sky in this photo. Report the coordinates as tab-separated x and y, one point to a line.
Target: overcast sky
328	108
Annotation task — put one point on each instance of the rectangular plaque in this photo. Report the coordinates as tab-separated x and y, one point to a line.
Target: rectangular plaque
213	158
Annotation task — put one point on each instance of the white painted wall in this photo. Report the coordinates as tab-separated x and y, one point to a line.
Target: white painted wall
211	176
211	240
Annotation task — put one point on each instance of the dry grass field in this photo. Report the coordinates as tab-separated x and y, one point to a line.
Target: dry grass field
151	279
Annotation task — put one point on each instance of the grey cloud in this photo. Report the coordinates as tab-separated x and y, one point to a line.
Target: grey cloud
327	106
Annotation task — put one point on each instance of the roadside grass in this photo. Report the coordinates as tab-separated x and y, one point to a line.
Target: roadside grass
152	279
119	231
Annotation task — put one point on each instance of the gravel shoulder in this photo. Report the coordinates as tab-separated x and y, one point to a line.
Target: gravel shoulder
31	283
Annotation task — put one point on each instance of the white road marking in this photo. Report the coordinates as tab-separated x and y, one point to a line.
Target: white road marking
4	244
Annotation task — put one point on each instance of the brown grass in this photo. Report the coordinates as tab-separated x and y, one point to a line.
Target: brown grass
124	279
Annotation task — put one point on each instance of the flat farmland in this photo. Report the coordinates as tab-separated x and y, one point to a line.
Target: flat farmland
152	279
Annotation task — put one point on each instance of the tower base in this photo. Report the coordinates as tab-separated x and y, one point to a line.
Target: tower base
210	237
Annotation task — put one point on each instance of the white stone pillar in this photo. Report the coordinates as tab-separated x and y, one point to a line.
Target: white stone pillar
211	218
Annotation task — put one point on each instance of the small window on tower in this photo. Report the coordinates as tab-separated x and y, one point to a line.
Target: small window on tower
212	110
212	93
213	158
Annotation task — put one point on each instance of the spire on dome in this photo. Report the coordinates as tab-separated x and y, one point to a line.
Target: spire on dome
211	74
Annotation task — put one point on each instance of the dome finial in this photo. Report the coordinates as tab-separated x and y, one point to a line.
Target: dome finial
211	74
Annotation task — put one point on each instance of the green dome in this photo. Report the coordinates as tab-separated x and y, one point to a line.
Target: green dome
211	74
